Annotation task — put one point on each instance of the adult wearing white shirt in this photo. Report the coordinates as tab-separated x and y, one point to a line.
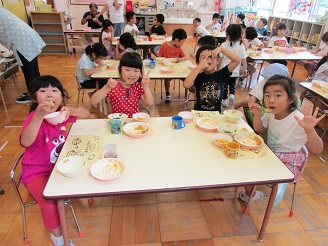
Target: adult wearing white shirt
116	16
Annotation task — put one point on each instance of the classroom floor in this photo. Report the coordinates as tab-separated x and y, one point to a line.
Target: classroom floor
174	218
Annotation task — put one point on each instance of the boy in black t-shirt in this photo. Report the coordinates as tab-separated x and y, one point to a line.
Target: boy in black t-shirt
208	81
157	29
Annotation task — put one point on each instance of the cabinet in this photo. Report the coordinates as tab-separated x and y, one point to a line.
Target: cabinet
50	26
143	22
306	33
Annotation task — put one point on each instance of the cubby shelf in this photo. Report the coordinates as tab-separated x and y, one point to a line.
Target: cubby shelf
50	27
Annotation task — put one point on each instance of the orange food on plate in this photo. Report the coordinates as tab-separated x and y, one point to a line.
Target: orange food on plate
221	140
140	119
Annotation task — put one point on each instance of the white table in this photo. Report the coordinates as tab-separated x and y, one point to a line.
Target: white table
72	32
277	55
166	160
154	42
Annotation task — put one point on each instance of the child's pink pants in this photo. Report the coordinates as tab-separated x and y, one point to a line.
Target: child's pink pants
48	208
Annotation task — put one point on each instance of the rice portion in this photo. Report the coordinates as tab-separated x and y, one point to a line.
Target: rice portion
107	169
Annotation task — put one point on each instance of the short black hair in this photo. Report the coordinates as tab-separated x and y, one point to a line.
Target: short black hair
264	20
160	18
207	39
198	19
324	37
93	5
201	49
127	41
216	15
44	82
179	34
287	83
243	26
131	59
129	16
241	16
98	49
281	26
251	33
234	32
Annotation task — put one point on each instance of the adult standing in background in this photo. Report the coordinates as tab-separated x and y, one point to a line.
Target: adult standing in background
90	17
26	44
116	15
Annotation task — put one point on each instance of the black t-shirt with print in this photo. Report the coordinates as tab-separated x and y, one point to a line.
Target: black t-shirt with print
159	30
209	89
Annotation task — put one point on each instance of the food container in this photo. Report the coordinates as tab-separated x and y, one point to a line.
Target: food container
221	140
55	117
71	166
232	115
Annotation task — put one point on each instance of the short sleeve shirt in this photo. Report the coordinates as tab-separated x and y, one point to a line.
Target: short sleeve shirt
159	30
116	15
129	28
170	52
125	100
91	23
263	31
320	73
202	30
84	62
105	41
209	89
284	135
40	158
217	27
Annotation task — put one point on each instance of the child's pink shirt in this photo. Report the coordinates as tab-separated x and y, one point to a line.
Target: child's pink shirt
40	158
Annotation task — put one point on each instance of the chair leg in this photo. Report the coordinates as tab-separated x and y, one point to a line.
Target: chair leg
258	76
82	95
249	199
78	98
75	218
291	213
25	240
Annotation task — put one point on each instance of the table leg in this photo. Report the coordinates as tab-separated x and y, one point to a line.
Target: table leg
268	211
99	104
62	217
293	69
250	77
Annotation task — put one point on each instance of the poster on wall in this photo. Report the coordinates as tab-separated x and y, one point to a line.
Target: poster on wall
87	2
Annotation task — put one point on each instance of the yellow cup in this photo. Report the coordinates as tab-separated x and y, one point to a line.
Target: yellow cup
231	150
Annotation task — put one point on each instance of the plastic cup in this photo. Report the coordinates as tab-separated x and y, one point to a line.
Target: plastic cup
115	126
110	151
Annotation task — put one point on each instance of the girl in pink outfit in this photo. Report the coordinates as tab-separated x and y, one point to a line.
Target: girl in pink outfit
43	142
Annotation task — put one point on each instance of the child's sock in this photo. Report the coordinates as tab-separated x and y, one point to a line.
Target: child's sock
57	240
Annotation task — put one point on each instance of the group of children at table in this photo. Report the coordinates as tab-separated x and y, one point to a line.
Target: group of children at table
48	94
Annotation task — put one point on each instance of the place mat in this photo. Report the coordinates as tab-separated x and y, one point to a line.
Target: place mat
198	113
88	146
250	154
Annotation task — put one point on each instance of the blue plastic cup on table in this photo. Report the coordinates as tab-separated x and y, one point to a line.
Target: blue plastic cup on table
152	63
177	122
115	126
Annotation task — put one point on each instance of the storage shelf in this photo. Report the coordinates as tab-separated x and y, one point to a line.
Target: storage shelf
50	26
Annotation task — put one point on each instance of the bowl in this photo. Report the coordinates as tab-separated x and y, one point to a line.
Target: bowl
146	62
136	129
296	49
252	53
160	59
118	116
167	63
221	140
227	128
269	50
72	166
166	70
141	117
276	48
107	169
56	117
232	115
207	124
249	140
324	87
186	116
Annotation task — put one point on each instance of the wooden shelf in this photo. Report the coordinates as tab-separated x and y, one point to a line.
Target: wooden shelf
50	27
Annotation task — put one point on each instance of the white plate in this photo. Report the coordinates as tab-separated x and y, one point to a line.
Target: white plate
136	129
207	124
107	169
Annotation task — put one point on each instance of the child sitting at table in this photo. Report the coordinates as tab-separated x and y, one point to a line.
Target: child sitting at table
209	81
125	44
321	51
240	19
279	40
233	43
107	37
91	62
261	29
251	39
42	142
131	27
157	29
200	30
172	49
288	129
215	25
322	70
124	93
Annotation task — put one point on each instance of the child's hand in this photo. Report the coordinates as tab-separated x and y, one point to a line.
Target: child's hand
309	121
255	108
43	109
111	83
145	79
203	63
244	74
66	110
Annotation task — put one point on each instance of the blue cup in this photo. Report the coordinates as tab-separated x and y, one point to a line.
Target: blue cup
152	64
177	122
115	126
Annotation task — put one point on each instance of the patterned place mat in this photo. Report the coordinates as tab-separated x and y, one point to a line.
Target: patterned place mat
250	154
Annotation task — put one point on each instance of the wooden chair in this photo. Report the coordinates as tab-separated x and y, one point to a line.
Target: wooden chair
16	178
291	212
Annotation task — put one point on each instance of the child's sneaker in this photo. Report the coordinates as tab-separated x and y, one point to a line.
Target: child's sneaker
59	241
225	102
232	99
168	98
242	196
280	193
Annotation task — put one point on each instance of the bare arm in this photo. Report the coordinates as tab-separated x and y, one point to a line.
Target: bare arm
104	9
79	112
189	81
100	95
89	72
235	59
257	123
209	26
117	5
83	21
245	102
